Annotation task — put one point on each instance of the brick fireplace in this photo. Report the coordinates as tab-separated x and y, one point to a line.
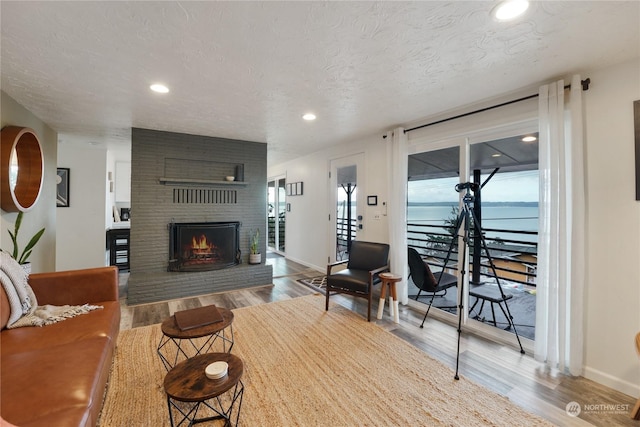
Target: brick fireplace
182	179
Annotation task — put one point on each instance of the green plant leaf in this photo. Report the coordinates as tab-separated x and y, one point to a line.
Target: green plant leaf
14	253
18	222
24	257
27	249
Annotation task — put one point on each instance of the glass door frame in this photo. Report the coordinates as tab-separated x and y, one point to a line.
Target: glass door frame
464	142
357	160
277	203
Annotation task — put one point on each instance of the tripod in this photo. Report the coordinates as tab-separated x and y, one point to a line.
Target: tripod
465	218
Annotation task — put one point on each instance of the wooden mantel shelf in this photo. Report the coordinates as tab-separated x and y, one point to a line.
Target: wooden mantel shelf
200	181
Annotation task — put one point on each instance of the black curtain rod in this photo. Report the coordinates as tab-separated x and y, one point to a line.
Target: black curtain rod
585	86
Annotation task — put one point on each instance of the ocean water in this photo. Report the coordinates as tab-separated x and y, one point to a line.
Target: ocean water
503	217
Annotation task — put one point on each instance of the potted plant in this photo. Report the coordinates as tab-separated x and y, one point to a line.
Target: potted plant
254	256
26	252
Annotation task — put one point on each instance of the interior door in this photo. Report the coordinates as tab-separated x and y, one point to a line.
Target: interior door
345	219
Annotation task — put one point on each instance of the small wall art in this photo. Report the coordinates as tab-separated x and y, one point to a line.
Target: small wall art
295	189
62	188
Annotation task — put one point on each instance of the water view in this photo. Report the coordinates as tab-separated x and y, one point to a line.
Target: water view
509	202
522	216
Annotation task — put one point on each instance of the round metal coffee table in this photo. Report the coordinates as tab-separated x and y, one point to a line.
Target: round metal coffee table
190	393
190	342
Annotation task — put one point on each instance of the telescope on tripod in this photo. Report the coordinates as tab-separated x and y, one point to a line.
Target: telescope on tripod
465	221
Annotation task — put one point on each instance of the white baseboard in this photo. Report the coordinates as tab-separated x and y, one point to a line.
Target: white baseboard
615	383
321	270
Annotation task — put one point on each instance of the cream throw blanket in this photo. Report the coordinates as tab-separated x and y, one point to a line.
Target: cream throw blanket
24	307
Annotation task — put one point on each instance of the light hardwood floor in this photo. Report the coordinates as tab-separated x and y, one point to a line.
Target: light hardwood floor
498	367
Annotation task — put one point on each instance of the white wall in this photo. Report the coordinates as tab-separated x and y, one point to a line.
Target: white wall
307	224
613	229
43	213
81	237
613	242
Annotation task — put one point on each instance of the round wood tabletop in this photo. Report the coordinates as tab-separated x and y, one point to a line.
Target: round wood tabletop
187	381
171	329
390	277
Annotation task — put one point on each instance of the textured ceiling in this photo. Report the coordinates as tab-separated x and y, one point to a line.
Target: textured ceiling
249	70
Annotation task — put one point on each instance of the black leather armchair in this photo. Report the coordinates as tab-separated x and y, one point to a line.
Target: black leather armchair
366	261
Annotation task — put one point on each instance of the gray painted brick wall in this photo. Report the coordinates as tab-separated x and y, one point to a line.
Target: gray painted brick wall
156	155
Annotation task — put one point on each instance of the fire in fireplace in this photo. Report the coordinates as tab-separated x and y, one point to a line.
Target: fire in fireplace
201	246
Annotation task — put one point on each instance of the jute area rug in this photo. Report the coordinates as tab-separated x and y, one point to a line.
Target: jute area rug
308	367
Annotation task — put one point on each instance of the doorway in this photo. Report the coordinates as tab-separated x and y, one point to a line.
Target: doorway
276	214
345	219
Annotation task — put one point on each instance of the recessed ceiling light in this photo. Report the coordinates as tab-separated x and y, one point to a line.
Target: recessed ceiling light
496	155
160	88
309	116
510	9
529	138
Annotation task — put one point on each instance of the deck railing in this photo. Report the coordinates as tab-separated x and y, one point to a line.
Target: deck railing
271	232
344	234
512	251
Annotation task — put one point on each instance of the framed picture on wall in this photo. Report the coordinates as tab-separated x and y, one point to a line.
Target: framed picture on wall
62	188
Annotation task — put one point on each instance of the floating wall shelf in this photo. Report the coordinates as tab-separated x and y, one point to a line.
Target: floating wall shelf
201	182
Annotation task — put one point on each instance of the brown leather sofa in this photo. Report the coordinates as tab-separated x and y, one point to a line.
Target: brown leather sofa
56	375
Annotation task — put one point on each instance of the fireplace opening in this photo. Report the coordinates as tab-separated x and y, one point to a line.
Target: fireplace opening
202	246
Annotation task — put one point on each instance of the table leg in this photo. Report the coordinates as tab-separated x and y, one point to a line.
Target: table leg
394	298
383	292
222	410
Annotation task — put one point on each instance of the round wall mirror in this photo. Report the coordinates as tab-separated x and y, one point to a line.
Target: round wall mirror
21	168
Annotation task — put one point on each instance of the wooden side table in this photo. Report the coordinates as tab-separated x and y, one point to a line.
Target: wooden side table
185	342
190	391
389	279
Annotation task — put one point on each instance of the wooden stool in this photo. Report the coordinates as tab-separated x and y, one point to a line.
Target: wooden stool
391	280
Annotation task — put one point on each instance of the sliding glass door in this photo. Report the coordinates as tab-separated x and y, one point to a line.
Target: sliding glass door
432	209
501	174
506	209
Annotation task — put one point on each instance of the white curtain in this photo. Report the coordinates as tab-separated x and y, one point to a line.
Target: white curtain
561	254
397	207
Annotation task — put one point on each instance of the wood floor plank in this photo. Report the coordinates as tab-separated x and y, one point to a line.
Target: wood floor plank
184	304
150	314
537	404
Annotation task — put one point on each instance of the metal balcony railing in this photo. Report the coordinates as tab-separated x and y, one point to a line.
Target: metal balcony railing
271	231
514	257
344	235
